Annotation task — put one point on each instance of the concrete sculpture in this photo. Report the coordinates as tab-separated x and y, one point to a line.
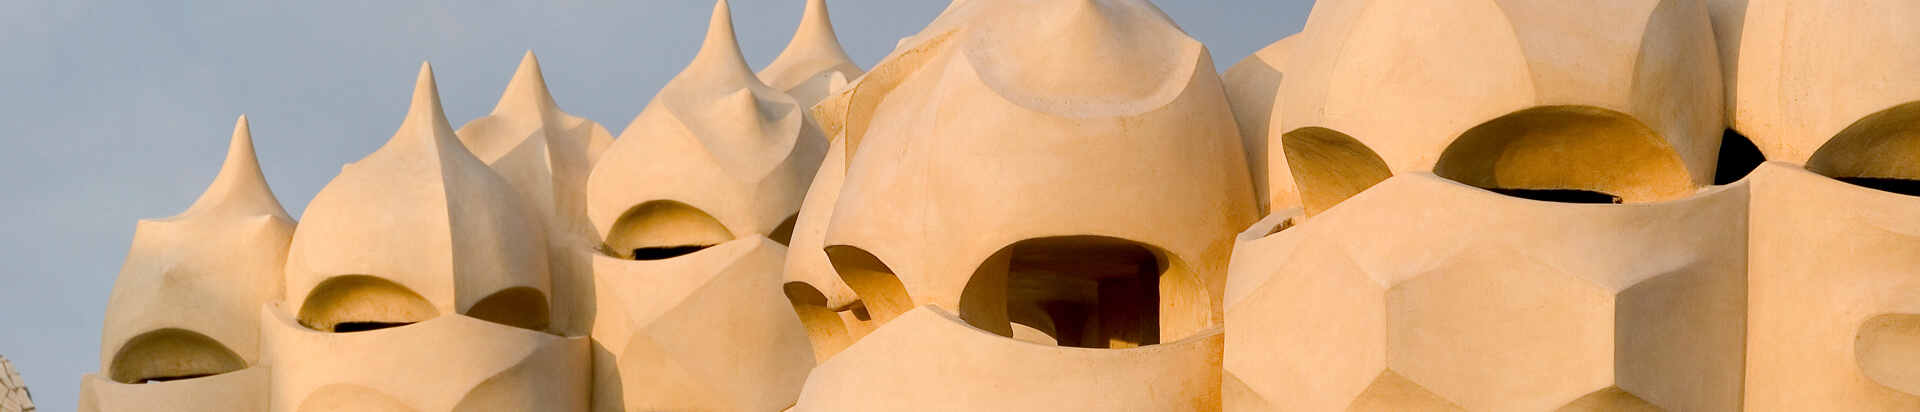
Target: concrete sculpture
695	201
420	255
183	324
547	154
13	390
1826	91
1444	205
1055	223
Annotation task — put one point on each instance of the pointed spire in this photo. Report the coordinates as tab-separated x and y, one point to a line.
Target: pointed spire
720	53
528	89
425	117
240	183
815	37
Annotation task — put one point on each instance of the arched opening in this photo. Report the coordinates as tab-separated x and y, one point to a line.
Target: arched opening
664	229
1881	151
1576	154
1738	157
358	303
1090	292
1329	167
172	354
521	307
882	296
825	329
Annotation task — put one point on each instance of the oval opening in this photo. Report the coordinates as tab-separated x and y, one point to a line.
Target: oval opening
1877	152
359	303
664	229
1329	167
1090	292
1573	154
521	307
172	354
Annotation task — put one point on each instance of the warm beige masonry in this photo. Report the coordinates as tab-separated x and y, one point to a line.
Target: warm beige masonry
1412	205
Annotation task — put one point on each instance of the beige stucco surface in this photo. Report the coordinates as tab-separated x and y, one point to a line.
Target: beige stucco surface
1416	286
1412	205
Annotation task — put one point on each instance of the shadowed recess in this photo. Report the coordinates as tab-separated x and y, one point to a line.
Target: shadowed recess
1568	148
664	229
172	354
1738	157
1086	291
358	303
783	234
1329	167
521	307
1888	349
1881	151
880	290
825	329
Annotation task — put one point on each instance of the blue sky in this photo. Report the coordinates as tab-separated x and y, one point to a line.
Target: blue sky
112	112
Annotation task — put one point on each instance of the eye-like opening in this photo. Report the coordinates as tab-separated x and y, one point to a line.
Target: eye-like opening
1329	166
1881	151
882	295
172	354
521	307
1092	292
1577	154
664	229
358	303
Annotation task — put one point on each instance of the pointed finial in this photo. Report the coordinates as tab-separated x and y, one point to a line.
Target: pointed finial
720	53
240	182
527	90
816	35
425	116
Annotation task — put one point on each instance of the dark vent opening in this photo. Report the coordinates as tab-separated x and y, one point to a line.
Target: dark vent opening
1561	195
1902	186
1738	157
669	252
158	379
348	327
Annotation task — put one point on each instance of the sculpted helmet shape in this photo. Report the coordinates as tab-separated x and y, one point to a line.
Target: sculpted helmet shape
187	303
547	154
1094	211
695	201
1513	96
418	229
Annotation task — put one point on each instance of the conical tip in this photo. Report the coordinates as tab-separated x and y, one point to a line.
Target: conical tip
721	45
528	89
426	93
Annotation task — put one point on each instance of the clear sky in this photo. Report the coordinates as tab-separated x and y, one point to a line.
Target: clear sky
114	111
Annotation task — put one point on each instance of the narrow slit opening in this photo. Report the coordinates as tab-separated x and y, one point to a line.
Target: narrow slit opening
350	327
668	252
159	379
1561	195
1907	187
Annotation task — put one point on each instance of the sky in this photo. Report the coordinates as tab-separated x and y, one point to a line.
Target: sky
111	112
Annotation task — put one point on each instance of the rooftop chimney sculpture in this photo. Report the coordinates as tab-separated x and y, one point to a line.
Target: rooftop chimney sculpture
1437	205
